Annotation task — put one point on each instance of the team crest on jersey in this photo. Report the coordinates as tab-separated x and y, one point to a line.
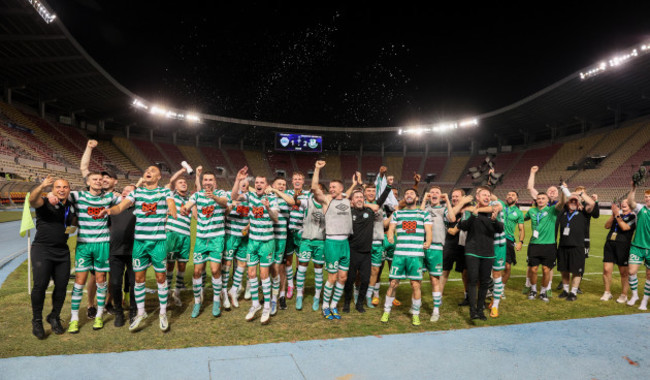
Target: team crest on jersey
365	215
242	210
409	226
342	207
149	208
95	211
258	212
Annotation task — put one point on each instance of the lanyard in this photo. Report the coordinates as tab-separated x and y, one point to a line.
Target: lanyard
616	222
65	217
571	216
539	217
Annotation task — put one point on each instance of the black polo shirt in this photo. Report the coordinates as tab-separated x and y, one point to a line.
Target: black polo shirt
51	223
362	228
122	227
575	220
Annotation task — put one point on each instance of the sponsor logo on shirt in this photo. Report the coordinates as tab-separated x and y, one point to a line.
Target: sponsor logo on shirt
149	208
242	210
258	212
409	226
94	212
208	211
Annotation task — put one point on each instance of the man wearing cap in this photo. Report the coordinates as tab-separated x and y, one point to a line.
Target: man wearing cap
571	250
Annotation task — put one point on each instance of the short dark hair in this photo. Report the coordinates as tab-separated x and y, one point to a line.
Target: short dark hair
542	193
337	181
208	173
514	191
412	189
434	187
462	192
297	173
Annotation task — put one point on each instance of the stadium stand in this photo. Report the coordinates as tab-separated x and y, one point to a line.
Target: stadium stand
117	158
394	164
238	159
172	153
370	163
151	153
517	177
129	150
257	164
333	168
349	165
215	159
454	168
305	163
279	161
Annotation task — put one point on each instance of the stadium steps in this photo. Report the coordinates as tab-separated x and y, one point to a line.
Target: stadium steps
151	152
465	179
370	163
127	148
349	164
294	166
238	160
332	169
617	146
632	157
279	161
194	157
454	169
172	154
257	163
432	164
394	164
118	159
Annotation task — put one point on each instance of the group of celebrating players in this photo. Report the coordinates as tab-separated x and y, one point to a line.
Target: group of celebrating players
258	227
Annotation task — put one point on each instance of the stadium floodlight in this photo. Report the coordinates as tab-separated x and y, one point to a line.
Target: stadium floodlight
438	128
42	10
193	118
615	61
138	104
157	110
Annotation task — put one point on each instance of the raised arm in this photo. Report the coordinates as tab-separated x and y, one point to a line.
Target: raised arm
85	159
171	207
35	199
197	178
463	201
287	198
118	208
221	201
318	194
170	185
355	183
531	182
273	212
589	202
241	175
630	198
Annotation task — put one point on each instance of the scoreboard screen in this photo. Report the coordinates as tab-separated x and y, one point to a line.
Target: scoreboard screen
293	142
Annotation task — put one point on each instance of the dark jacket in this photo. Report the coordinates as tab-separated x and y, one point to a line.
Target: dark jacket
480	234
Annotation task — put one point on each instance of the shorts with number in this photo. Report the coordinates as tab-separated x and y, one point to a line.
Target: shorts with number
278	252
377	254
150	252
389	249
294	240
313	250
617	252
432	259
639	255
92	256
235	247
208	249
337	255
500	257
511	253
260	252
178	247
406	267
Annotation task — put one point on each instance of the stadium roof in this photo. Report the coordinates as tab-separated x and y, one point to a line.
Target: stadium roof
43	62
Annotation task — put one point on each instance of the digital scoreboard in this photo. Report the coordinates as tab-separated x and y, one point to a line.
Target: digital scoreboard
294	142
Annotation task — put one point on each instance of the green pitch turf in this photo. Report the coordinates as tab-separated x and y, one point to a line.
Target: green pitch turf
291	325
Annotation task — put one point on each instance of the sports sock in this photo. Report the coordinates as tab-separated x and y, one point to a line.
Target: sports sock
318	281
225	276
533	288
327	294
528	284
163	290
170	277
255	295
237	277
338	291
204	278
300	279
289	271
565	287
646	289
138	291
415	306
369	292
77	293
498	288
574	290
437	301
196	288
266	291
180	280
634	284
275	287
388	304
216	289
101	298
375	292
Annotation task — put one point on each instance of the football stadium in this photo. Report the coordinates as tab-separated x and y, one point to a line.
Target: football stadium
154	228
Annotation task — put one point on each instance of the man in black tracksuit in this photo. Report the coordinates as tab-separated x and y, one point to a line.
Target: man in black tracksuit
363	218
479	250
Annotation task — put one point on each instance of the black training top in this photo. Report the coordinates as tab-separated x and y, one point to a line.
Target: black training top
122	228
595	213
362	227
576	222
51	223
623	236
480	233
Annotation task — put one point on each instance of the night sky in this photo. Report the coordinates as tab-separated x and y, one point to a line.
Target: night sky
346	65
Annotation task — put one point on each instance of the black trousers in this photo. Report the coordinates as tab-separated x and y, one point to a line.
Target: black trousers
49	264
479	272
122	269
358	262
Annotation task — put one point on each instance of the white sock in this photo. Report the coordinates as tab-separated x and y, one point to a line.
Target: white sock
528	284
533	287
565	287
495	303
574	290
388	305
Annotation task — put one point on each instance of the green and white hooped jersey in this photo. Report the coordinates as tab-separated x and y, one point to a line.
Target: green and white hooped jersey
642	235
92	228
409	231
280	228
238	217
150	212
260	220
500	237
297	215
181	224
210	217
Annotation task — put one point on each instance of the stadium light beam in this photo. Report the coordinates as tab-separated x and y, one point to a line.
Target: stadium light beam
42	10
615	61
438	128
